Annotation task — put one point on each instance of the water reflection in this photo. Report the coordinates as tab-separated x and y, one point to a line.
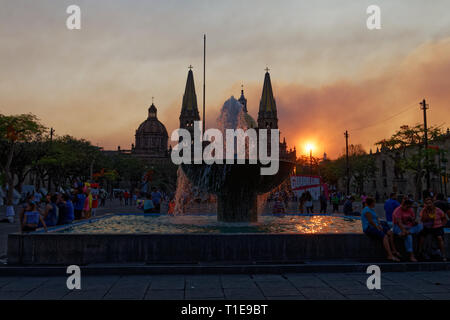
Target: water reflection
208	224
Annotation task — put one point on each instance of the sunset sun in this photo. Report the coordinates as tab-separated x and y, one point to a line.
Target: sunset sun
309	146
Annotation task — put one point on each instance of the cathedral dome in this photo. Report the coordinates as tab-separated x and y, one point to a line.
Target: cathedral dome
152	125
151	136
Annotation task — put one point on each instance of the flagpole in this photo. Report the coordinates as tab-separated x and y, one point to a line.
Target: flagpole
204	79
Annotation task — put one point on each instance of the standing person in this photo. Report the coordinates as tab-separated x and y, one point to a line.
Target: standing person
278	206
335	202
323	203
434	220
102	198
373	227
126	196
87	207
405	225
134	198
156	198
31	218
309	202
94	202
390	205
363	199
121	197
301	202
80	197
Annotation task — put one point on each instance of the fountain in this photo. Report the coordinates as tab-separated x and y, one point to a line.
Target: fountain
193	240
236	186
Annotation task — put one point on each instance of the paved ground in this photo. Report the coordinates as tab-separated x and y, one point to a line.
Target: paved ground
410	285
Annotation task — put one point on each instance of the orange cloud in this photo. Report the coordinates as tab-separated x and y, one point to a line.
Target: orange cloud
366	107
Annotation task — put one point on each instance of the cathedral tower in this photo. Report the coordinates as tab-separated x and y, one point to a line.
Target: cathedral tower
243	100
267	115
189	109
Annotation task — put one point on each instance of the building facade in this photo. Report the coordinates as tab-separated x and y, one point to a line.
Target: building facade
389	177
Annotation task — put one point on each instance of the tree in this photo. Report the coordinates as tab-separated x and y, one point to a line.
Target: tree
362	168
16	129
68	160
332	170
408	143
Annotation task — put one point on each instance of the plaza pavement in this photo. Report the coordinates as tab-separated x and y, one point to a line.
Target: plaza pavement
295	286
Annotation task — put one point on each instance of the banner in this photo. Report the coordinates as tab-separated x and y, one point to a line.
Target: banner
313	184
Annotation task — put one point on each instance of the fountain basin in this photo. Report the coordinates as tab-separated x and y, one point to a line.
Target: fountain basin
236	186
67	245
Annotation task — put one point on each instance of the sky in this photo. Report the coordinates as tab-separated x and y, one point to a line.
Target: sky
329	72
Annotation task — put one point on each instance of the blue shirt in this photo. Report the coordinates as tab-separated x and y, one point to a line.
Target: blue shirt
70	216
31	217
364	221
52	216
79	203
156	197
348	207
389	206
148	204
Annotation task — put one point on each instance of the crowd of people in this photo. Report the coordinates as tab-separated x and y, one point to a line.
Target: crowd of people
61	208
405	218
58	208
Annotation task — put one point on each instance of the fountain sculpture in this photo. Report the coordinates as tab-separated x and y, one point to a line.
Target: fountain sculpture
236	186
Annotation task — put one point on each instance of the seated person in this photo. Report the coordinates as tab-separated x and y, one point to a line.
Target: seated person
442	204
348	207
405	225
380	230
69	209
31	218
434	220
149	207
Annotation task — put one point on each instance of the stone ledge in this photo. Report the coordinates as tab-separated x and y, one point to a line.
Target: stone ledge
84	249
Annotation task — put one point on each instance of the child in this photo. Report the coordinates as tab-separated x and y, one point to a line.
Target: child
171	207
433	220
31	218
